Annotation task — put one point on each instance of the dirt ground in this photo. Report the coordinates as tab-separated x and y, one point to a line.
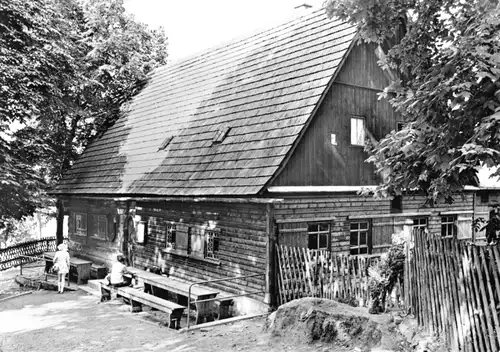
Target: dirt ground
76	321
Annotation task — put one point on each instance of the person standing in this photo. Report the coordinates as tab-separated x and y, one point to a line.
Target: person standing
61	263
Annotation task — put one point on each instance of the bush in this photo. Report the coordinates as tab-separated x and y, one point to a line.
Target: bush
385	274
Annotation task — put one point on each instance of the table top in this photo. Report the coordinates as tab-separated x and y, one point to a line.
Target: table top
173	285
72	260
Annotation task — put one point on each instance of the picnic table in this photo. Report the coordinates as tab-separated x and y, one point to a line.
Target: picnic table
80	266
204	310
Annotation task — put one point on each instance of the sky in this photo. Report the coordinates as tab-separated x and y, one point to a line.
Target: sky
196	25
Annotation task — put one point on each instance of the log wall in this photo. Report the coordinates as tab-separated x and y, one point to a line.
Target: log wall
98	250
242	243
346	208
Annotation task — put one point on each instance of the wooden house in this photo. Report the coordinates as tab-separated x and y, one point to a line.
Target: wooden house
487	199
229	152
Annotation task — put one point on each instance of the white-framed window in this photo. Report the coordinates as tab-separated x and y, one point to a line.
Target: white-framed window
448	226
318	236
358	130
360	240
100	226
191	240
212	243
420	223
170	232
81	224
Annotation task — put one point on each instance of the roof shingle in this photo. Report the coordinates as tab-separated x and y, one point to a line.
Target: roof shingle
264	88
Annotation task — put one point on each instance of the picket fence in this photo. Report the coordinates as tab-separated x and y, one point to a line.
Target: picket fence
454	290
323	274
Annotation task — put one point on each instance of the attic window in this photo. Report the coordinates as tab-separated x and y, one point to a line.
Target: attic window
166	142
220	135
358	130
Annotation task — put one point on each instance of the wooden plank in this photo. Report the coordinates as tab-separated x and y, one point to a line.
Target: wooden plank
453	256
491	299
477	328
455	322
439	282
482	332
484	306
464	314
431	285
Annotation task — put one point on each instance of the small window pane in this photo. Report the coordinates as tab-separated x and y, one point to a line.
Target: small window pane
363	250
363	225
313	241
312	228
354	239
324	227
362	238
323	240
357	131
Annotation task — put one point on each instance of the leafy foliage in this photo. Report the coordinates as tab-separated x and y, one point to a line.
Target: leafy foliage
447	91
385	274
66	67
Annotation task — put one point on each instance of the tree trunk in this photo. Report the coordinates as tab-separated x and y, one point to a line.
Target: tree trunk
60	222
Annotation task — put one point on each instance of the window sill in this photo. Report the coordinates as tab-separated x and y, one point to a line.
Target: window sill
98	238
181	253
78	235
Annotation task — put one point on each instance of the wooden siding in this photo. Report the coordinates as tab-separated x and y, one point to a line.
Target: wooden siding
316	162
353	208
242	243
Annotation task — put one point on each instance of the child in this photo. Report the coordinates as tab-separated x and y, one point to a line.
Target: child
61	263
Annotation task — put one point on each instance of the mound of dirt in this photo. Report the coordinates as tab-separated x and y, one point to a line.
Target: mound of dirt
307	320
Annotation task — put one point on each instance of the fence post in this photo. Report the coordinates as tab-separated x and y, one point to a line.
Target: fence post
407	283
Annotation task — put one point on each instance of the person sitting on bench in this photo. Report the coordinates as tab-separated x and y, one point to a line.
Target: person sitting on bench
117	276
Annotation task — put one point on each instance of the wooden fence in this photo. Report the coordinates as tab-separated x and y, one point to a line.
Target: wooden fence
13	256
320	273
454	290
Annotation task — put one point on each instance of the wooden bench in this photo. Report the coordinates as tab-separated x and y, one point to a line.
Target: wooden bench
137	298
78	266
205	311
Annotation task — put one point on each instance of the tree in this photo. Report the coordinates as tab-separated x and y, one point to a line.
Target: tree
66	67
448	62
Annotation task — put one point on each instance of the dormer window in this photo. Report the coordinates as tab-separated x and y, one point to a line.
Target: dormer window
358	130
165	143
220	135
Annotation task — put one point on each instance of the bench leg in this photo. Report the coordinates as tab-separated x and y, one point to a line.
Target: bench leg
135	307
204	311
174	321
105	294
224	309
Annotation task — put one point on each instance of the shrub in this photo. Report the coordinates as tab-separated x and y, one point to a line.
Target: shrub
385	274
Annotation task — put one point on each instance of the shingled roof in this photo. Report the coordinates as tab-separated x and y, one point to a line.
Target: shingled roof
228	117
